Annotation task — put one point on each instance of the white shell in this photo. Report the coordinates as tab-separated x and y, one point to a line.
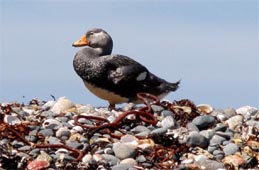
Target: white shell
12	120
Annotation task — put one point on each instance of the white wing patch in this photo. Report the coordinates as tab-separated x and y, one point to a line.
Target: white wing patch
142	76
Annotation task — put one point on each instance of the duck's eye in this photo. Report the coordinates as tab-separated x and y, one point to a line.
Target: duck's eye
91	33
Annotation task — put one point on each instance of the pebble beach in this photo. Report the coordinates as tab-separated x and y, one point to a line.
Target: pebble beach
178	135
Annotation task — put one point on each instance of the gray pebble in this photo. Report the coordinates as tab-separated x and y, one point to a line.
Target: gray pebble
51	124
74	144
212	148
230	149
122	167
112	160
221	127
229	112
203	121
207	133
226	135
165	113
192	127
157	108
168	122
159	131
217	140
53	140
140	128
196	139
123	151
108	151
63	131
48	114
218	154
24	148
141	159
46	132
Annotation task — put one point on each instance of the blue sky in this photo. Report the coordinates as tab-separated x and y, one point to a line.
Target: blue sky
212	46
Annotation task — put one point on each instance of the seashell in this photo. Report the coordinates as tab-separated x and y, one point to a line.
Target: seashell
186	109
204	108
12	120
62	105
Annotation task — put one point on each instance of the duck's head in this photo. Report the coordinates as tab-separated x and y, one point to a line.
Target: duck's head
97	39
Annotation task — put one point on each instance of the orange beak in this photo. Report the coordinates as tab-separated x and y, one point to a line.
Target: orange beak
81	42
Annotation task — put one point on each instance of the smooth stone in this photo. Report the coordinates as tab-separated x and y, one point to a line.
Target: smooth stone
207	133
140	129
17	144
130	161
46	132
196	139
192	127
48	105
74	144
157	108
217	140
141	158
226	135
203	121
34	152
212	148
226	142
230	149
142	134
169	122
48	114
211	165
218	152
53	140
165	113
229	112
121	167
222	117
51	124
108	151
220	127
87	158
234	121
123	151
24	148
78	129
63	131
159	131
112	160
31	138
217	112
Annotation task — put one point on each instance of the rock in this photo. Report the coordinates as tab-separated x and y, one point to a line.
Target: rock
46	132
159	131
168	122
165	113
220	127
122	167
63	131
229	112
247	111
112	160
207	133
196	139
203	121
217	140
157	108
192	127
51	124
218	154
123	151
234	121
129	161
230	149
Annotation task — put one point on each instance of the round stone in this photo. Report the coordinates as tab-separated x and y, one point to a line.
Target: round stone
203	121
234	121
112	160
217	140
196	139
165	113
230	149
123	151
168	122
